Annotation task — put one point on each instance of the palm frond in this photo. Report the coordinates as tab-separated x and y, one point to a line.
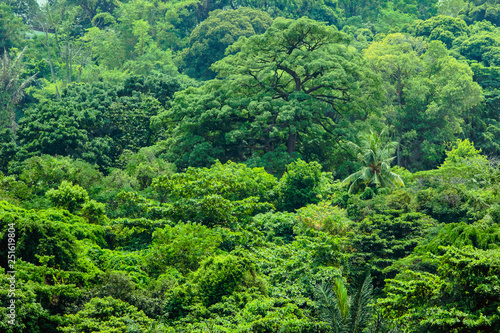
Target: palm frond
360	308
11	84
376	157
328	306
342	298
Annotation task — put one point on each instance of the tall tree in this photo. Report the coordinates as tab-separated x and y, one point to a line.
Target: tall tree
45	20
298	77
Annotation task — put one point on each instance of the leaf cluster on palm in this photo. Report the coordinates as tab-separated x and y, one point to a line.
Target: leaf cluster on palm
344	313
376	156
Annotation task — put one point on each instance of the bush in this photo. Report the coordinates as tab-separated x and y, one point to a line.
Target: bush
45	172
42	233
447	205
68	196
93	211
183	247
277	227
107	315
299	185
324	217
221	275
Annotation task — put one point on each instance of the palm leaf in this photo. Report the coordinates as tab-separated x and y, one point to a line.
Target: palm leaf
330	313
360	308
376	159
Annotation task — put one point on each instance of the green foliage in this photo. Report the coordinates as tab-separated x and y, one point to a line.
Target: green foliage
390	19
481	11
451	7
8	148
324	217
277	227
299	185
183	247
277	90
345	313
12	28
274	162
481	46
224	194
222	275
423	86
13	190
376	158
107	315
146	164
108	189
478	235
209	40
12	83
93	211
41	295
233	181
219	278
443	28
39	234
133	234
380	240
116	261
123	286
465	163
69	196
446	205
461	296
322	11
170	236
462	150
97	122
293	269
269	315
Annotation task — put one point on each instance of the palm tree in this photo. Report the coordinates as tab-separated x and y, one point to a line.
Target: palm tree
376	158
11	87
345	314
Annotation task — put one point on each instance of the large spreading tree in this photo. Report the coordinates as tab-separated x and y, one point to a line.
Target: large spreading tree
298	78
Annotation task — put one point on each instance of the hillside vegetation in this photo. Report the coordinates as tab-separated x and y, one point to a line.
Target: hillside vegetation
250	166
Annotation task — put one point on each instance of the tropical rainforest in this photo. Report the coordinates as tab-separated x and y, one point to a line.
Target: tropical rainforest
238	166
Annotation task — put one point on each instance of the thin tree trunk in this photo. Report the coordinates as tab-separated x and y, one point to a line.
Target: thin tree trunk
50	62
13	124
68	62
398	154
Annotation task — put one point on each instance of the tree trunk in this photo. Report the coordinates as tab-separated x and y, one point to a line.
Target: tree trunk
50	61
398	154
79	73
68	62
292	139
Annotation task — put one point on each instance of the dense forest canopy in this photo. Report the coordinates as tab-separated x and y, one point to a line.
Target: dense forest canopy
249	166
